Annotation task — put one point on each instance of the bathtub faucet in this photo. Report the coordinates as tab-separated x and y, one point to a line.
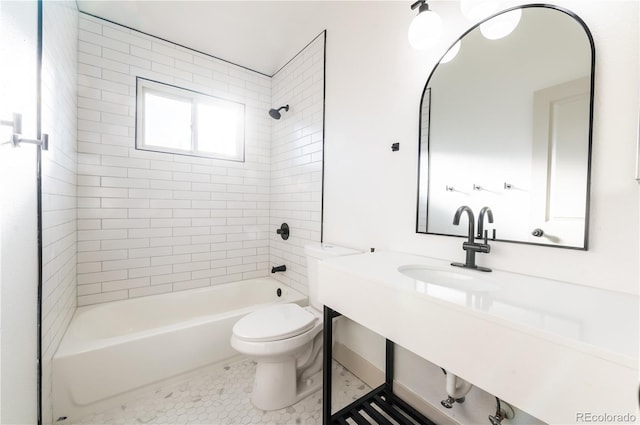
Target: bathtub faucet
281	268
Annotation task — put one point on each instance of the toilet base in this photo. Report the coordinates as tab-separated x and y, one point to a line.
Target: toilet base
277	386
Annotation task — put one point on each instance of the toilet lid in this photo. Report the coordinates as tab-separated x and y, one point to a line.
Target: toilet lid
281	321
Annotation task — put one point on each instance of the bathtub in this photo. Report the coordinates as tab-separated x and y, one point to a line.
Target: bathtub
114	348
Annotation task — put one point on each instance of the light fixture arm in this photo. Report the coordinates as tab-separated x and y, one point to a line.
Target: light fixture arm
422	4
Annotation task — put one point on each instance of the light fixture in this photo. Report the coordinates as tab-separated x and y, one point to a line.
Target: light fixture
426	28
477	10
502	25
451	53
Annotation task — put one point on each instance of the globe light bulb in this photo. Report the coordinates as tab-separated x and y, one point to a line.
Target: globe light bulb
501	25
425	30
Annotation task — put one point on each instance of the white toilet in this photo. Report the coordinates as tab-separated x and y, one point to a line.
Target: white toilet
286	341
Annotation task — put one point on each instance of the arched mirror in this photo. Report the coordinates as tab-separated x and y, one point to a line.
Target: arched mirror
506	122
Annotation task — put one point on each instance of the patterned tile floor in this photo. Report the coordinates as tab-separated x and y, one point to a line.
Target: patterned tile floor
221	396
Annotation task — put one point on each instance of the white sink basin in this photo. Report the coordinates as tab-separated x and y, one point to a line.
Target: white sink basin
449	279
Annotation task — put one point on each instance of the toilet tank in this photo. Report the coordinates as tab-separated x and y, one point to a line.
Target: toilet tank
315	253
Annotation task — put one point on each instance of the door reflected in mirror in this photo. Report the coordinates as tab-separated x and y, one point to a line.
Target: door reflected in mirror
506	123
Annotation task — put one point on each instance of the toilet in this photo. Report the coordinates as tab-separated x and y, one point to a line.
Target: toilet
285	340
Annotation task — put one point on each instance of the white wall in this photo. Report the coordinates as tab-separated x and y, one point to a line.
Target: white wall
59	120
370	192
296	161
149	222
18	215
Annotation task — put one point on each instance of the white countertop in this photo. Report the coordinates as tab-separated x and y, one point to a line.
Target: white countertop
538	328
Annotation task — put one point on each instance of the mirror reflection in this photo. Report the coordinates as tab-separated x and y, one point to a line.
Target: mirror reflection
506	123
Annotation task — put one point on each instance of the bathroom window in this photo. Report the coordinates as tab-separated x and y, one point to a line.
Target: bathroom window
180	121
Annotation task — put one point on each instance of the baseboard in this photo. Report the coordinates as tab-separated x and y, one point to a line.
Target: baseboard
358	365
373	377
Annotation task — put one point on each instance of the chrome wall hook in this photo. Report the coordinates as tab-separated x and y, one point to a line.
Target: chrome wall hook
450	188
43	143
508	186
477	187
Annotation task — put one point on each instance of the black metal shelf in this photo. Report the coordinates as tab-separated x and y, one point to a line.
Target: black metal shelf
379	406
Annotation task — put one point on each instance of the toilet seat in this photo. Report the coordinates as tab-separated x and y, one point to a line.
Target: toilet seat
274	323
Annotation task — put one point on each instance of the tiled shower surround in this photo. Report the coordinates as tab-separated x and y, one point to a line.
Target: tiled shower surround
59	63
296	160
151	223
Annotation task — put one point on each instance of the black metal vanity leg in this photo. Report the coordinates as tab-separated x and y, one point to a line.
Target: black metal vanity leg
389	358
327	356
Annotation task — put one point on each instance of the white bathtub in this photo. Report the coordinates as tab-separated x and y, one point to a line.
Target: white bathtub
110	349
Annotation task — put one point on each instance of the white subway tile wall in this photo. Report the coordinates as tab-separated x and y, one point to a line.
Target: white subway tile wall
148	222
296	161
59	115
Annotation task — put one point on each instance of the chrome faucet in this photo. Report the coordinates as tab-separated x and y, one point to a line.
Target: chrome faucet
470	246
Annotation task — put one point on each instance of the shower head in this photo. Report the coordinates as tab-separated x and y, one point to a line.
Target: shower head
275	113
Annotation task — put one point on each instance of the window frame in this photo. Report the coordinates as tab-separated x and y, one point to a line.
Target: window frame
169	91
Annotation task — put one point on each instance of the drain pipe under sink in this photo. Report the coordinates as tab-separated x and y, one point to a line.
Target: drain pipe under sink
457	389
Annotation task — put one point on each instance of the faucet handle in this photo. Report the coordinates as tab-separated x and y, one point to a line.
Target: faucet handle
485	235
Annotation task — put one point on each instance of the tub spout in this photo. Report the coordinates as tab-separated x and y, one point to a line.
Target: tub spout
282	268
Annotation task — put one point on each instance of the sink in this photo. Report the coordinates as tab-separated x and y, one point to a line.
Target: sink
508	333
446	278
